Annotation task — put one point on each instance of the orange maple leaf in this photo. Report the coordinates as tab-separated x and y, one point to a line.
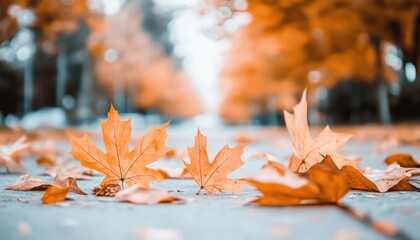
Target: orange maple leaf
210	176
309	151
323	183
119	164
59	189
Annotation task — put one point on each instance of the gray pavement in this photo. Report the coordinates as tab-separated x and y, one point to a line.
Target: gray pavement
218	216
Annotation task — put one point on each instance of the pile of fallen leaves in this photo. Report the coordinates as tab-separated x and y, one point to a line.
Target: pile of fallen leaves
316	173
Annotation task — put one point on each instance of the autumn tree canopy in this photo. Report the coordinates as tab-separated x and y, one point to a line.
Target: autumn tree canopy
290	45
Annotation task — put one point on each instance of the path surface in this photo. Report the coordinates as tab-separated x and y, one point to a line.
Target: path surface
219	216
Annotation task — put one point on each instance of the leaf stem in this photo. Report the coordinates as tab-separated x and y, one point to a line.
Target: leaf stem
300	165
198	192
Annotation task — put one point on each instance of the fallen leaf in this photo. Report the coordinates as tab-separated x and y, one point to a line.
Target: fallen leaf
386	145
211	176
279	167
323	183
24	228
403	159
47	151
346	234
28	200
281	231
159	234
58	191
28	183
109	190
174	173
309	151
71	222
118	163
386	227
45	161
394	178
9	154
83	204
140	195
244	139
171	153
70	171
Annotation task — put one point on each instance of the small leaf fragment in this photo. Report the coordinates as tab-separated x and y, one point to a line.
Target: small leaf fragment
109	190
140	195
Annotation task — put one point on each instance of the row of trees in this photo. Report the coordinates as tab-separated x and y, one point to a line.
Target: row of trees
125	55
290	45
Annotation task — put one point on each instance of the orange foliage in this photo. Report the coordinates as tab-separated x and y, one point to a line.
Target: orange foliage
211	176
307	44
119	164
138	66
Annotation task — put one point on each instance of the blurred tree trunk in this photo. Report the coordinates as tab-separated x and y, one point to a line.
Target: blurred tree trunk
61	73
381	91
416	58
28	83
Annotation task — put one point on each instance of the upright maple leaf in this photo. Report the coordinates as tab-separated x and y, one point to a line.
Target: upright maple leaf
308	151
119	164
210	176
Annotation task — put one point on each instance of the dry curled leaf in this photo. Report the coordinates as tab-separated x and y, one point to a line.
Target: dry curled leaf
323	183
24	228
45	161
308	151
174	173
159	234
386	145
9	154
109	190
59	189
47	151
119	164
171	153
211	176
403	159
244	139
386	227
394	178
28	183
140	195
70	171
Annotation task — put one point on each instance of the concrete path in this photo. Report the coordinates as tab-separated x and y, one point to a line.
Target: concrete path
218	216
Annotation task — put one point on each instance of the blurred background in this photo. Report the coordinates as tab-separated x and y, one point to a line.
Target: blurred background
211	61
